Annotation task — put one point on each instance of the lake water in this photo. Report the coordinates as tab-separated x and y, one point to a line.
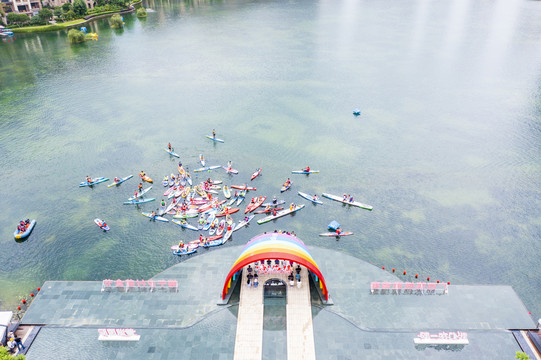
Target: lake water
447	148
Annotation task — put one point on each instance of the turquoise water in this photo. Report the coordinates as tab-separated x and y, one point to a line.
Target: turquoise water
446	149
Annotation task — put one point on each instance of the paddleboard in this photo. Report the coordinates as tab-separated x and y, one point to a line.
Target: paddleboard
305	172
208	168
172	153
214	139
310	198
120	181
94	181
334	234
158	218
352	203
256	174
99	222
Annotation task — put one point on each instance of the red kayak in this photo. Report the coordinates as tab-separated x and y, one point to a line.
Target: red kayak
254	205
209	205
243	187
229	211
256	174
267	211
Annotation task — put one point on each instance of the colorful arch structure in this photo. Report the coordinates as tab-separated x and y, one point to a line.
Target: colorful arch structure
279	246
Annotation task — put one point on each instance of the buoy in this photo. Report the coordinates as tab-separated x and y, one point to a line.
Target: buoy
32	294
18	308
448	283
427	279
416	276
383	267
404	272
393	270
39	289
438	281
24	301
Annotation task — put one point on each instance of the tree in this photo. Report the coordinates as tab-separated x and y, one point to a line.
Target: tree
521	356
17	19
79	8
5	355
70	15
141	12
67	7
58	11
45	14
37	20
76	36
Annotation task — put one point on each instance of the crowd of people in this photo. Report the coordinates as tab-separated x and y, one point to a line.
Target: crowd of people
14	342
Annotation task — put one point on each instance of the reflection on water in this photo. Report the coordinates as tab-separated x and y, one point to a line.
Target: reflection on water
446	149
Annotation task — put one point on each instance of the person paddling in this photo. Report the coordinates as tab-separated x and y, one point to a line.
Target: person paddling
213	134
307	169
170	147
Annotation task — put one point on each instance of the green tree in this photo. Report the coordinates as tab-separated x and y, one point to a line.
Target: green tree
37	20
45	14
116	21
58	12
521	356
70	15
76	36
17	19
79	8
101	2
5	355
141	12
67	7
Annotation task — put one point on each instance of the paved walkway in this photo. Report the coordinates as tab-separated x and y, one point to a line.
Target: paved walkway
300	334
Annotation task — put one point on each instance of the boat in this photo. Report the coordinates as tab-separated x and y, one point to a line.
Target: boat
254	205
357	112
180	169
135	202
278	202
99	222
215	139
185	214
172	180
241	197
146	178
210	220
208	168
215	182
143	192
202	160
285	188
172	153
170	207
189	179
335	234
213	227
352	203
280	214
310	198
243	187
165	181
221	228
228	212
305	172
230	170
267	211
255	174
227	192
184	251
120	181
29	227
216	242
94	181
183	223
155	217
232	200
243	222
229	232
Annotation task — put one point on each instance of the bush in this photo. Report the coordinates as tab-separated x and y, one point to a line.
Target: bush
45	14
76	36
141	12
17	19
70	15
116	21
37	20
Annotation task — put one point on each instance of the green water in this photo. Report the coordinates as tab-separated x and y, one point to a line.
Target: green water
447	148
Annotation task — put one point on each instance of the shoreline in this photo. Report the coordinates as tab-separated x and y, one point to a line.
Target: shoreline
85	20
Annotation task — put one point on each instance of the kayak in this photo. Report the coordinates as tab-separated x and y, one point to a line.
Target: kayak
267	211
334	234
208	168
215	139
232	201
310	198
184	251
221	228
181	170
278	202
254	205
215	242
165	181
213	227
99	222
189	179
229	211
120	181
243	187
184	224
172	153
172	180
230	170
215	182
256	174
201	159
143	192
185	214
94	181
227	192
241	197
352	203
21	235
229	232
305	172
135	202
280	214
156	217
161	209
243	223
210	219
146	178
285	188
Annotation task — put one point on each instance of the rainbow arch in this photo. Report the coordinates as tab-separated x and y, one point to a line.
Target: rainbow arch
279	246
